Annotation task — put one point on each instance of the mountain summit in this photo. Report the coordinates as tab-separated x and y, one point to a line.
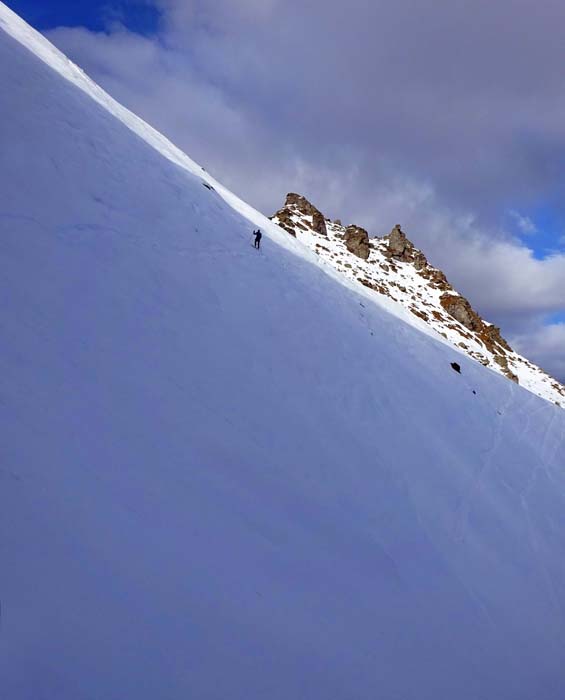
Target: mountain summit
392	266
237	474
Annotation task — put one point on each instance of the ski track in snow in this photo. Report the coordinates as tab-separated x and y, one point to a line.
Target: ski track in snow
486	463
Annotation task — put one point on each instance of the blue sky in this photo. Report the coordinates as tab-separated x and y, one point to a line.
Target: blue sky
448	118
141	17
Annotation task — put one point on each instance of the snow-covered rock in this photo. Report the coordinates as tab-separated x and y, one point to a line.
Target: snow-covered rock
394	267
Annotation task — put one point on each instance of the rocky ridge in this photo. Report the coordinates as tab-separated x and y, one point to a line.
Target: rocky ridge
392	266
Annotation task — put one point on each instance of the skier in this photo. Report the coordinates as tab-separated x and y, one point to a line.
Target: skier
258	236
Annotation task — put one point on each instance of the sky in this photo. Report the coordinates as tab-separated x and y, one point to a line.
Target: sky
445	116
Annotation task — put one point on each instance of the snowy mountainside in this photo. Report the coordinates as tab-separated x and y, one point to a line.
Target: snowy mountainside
393	267
236	474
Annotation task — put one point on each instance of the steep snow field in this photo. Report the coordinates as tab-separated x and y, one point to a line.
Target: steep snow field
224	474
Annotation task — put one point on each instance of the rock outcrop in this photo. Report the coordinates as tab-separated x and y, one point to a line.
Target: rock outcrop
461	310
397	242
357	241
297	204
502	361
392	266
400	248
435	277
319	223
458	307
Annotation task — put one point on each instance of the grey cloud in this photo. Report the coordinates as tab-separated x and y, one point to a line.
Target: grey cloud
544	345
461	94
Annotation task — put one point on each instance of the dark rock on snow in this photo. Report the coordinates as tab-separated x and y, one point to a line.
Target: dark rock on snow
357	241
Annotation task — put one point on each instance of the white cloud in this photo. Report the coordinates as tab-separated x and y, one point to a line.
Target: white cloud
524	224
545	345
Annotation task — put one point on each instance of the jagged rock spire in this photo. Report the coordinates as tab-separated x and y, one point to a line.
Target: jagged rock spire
299	204
401	248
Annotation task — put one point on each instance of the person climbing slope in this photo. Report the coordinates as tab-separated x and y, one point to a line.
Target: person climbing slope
258	235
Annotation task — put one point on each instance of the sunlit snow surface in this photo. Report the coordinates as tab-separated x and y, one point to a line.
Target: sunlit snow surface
226	475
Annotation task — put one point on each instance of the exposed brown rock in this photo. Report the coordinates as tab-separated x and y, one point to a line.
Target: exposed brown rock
491	337
287	227
397	242
480	358
461	310
502	361
436	278
357	241
418	312
319	223
298	203
374	286
284	219
400	248
323	247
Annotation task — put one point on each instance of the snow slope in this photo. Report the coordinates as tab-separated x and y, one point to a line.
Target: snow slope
225	474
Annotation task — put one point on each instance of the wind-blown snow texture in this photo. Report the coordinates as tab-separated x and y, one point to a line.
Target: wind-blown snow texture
223	473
